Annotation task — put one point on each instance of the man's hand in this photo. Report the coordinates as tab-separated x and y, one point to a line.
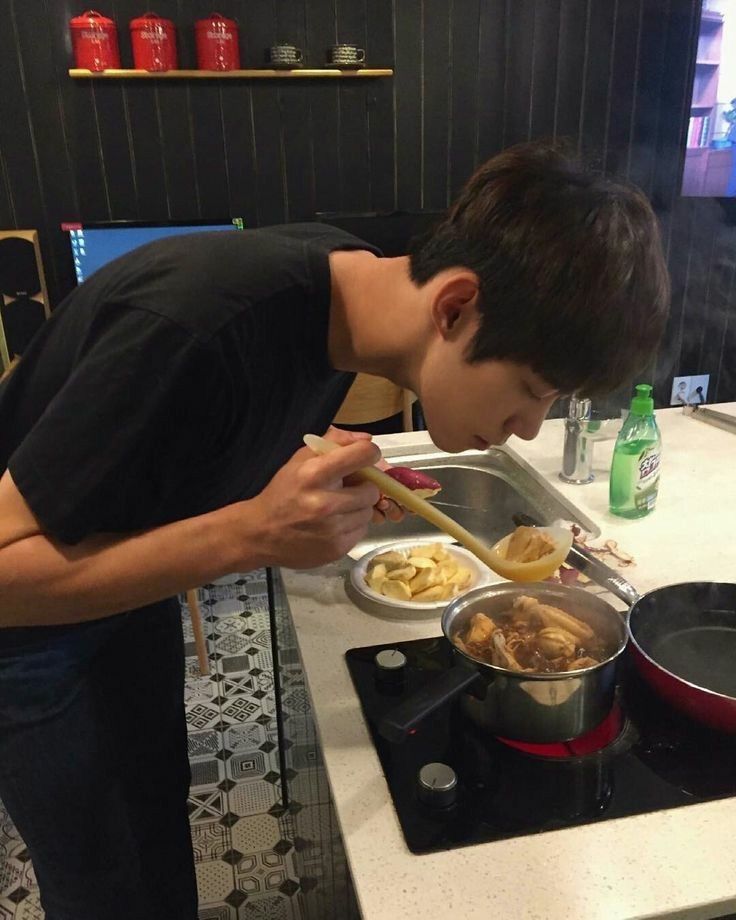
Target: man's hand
311	513
385	509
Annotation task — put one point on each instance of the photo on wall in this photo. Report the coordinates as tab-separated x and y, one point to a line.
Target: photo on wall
710	155
689	391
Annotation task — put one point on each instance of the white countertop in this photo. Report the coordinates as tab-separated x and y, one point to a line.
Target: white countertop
675	863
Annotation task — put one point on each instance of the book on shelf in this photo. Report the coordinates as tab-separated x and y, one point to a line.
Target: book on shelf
697	131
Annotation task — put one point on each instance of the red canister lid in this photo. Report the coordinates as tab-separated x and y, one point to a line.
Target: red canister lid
150	19
215	22
91	19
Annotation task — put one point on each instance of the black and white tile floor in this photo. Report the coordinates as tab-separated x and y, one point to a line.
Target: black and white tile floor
243	840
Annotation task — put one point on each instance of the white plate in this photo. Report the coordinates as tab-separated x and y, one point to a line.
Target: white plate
388	606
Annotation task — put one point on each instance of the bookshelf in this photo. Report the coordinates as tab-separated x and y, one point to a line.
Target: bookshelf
703	165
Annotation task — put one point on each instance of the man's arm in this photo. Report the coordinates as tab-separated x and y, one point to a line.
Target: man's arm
305	517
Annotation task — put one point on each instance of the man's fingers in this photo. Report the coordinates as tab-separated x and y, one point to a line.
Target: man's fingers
340	436
361	496
338	464
394	512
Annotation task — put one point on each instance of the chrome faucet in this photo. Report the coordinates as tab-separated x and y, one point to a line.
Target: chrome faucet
577	452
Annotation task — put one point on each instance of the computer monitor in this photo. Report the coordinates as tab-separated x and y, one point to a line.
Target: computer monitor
710	155
94	244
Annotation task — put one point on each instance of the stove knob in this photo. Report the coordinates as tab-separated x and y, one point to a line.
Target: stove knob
437	785
390	664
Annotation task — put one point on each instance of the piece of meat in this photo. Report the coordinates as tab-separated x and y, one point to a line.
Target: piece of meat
527	544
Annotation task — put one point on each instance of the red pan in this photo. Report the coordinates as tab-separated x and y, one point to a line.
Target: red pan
683	641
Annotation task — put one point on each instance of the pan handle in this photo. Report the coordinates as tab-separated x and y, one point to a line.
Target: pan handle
602	575
395	725
590	566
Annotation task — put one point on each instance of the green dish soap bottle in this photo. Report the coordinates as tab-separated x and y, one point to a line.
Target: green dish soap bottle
636	459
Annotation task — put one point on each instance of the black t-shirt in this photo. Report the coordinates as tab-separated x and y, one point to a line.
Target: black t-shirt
176	380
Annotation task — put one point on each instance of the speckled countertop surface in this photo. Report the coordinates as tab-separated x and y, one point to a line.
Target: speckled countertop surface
676	863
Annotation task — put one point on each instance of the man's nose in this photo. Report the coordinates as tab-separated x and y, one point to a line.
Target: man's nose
526	424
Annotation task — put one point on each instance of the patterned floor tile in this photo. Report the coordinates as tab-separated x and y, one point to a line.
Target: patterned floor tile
247	736
270	907
240	685
211	840
218	912
225	605
202	689
252	798
206	805
30	908
202	715
256	833
206	772
262	873
231	624
240	709
215	881
202	743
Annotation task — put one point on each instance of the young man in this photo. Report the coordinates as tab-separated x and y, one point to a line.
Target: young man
151	443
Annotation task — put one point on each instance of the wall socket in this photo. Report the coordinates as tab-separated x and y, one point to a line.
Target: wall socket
689	391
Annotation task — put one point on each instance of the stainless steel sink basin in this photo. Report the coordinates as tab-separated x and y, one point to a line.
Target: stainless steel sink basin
480	491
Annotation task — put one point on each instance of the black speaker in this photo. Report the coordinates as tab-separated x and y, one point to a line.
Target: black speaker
25	304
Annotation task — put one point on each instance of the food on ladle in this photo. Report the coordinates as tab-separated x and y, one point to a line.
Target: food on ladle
533	637
423	574
527	544
424	486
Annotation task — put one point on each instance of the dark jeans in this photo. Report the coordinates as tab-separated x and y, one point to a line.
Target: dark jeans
93	764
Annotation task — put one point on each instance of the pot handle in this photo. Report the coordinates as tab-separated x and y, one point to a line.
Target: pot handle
395	725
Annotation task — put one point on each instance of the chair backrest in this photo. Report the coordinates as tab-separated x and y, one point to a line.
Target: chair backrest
372	399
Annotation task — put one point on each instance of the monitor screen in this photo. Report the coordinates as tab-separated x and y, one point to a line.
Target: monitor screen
710	156
95	244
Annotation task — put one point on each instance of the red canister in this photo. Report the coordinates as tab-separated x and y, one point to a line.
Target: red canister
154	43
217	43
94	41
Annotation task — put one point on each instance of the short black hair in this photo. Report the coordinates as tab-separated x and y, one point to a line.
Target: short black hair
572	276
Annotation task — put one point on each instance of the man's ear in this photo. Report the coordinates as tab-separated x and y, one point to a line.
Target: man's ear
455	302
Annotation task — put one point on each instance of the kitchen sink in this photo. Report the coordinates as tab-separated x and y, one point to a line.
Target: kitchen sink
481	491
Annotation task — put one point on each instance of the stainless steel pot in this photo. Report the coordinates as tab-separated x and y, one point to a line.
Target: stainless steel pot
537	708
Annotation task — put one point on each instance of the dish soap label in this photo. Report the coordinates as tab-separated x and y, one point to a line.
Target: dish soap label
645	493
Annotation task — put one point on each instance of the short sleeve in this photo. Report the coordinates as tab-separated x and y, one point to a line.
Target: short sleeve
142	375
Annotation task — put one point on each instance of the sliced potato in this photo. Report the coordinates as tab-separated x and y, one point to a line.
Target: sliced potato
435	593
425	578
462	577
392	560
396	589
421	562
406	573
447	570
422	573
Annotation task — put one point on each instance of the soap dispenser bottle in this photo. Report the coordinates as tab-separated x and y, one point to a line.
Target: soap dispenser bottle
636	459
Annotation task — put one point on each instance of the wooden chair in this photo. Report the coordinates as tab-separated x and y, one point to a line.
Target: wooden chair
372	399
195	615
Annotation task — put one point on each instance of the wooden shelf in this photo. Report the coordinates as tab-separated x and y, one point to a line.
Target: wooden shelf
302	74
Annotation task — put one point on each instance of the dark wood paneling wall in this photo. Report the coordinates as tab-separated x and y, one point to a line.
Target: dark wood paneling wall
471	77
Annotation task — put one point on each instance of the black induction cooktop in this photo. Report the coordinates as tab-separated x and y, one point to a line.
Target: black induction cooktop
651	758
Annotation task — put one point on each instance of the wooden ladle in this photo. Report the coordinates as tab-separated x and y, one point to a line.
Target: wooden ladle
492	556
